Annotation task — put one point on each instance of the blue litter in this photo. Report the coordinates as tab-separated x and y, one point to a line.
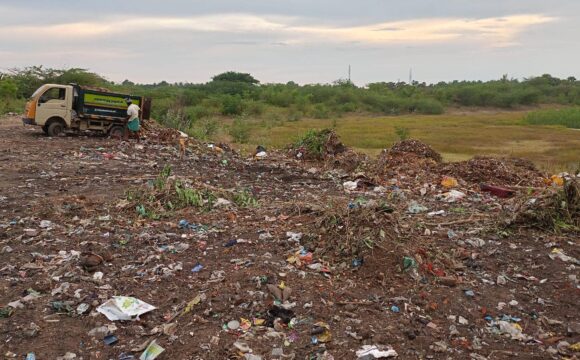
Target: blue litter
30	356
110	339
469	293
510	318
357	262
197	268
395	309
184	224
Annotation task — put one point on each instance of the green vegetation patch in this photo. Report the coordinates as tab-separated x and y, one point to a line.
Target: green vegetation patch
569	117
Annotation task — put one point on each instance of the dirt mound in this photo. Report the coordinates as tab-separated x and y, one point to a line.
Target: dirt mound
496	171
416	147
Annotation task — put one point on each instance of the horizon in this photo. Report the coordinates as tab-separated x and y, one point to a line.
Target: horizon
147	42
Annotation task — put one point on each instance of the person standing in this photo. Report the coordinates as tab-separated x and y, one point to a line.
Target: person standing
133	124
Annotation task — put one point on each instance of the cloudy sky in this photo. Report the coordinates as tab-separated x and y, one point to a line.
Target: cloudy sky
306	41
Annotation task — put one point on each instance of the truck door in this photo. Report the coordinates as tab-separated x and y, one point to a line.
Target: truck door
54	102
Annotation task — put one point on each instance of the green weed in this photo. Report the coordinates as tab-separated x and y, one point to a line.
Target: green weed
245	198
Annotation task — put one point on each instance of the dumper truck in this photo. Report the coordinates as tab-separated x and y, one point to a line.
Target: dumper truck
59	108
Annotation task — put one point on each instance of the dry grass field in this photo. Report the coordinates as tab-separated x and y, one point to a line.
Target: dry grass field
457	136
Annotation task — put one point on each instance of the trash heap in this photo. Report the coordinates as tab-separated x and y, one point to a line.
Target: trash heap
117	250
552	208
325	145
506	171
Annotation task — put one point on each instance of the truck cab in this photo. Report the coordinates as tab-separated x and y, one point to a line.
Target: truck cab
50	107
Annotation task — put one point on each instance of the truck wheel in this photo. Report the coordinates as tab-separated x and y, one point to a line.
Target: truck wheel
55	128
117	132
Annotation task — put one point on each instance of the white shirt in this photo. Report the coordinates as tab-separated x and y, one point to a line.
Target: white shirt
133	112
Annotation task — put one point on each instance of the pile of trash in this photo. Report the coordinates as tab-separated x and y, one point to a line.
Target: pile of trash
350	231
160	134
325	145
407	157
317	145
496	171
553	208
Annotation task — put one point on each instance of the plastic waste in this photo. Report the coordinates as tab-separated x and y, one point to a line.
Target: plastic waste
321	333
449	182
124	308
451	196
350	185
197	268
152	351
416	208
559	254
513	330
368	352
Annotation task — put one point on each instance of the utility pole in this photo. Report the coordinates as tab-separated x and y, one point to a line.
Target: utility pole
349	73
410	76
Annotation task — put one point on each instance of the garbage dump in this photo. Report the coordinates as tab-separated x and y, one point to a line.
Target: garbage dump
116	250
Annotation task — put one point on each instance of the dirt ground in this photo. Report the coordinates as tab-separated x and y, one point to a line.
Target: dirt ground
86	218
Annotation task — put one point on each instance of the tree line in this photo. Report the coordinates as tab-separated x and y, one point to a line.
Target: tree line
239	94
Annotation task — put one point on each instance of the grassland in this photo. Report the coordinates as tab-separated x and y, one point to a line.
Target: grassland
457	136
568	117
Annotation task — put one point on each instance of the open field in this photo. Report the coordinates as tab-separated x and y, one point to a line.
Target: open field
456	136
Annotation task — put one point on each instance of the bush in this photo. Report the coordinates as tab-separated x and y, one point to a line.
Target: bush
429	107
565	117
198	112
313	141
231	105
177	119
240	131
295	115
320	111
204	129
252	107
403	133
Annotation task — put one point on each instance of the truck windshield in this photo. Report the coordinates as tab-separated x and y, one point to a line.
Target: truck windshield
37	92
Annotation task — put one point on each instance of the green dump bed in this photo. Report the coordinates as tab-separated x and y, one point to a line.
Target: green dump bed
99	104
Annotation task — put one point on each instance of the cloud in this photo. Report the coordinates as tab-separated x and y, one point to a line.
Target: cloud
494	31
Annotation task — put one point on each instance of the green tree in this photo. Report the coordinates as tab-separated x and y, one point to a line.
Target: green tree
236	77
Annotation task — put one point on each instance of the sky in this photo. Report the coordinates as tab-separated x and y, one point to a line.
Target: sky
305	41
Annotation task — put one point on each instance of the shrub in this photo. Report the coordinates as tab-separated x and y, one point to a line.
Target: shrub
295	115
313	141
240	131
320	111
403	133
231	105
204	129
252	107
565	117
429	107
198	111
